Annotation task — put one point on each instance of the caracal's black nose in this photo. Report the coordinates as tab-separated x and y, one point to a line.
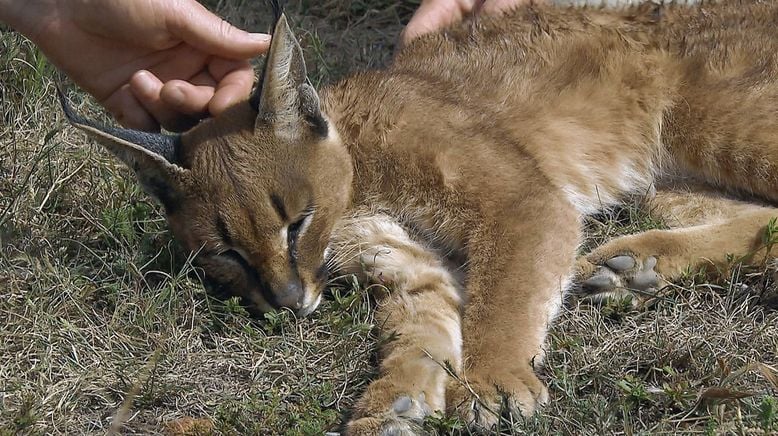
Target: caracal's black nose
290	296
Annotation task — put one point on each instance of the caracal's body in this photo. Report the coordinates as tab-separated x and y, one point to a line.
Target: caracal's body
458	179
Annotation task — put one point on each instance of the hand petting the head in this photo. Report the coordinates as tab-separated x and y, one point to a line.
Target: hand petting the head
151	63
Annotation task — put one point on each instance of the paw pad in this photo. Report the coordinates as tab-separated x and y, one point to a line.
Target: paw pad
624	273
620	263
402	418
402	405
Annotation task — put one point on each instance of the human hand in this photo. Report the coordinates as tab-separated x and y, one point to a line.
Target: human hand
434	15
149	62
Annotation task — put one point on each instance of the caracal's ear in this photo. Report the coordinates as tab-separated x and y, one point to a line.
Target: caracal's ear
284	98
151	156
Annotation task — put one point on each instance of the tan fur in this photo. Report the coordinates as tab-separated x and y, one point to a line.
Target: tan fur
456	180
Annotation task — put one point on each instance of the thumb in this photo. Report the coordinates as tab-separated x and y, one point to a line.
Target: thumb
198	27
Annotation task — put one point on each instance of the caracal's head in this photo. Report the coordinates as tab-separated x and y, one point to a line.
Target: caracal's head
255	193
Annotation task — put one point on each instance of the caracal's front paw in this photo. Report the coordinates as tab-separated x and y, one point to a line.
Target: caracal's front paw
482	401
381	412
619	276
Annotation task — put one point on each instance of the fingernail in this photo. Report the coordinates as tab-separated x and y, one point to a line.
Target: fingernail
144	82
260	37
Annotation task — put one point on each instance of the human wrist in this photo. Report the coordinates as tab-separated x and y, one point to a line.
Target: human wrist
26	16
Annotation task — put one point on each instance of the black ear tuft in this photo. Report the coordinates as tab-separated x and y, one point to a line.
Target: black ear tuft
278	9
164	145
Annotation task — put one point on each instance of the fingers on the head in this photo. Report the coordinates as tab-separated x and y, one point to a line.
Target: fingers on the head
195	25
149	91
235	80
128	110
188	97
178	104
224	83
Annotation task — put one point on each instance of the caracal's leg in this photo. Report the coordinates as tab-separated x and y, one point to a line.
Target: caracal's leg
418	302
519	266
707	230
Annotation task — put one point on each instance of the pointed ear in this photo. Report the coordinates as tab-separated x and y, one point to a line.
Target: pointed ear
284	98
150	155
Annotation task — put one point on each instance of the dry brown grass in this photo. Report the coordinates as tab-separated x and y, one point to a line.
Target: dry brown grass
101	325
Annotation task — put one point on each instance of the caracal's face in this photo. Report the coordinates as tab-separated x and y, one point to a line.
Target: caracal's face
261	209
256	192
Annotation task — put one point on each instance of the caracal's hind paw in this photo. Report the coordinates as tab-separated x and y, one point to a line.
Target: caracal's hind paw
483	404
620	276
404	418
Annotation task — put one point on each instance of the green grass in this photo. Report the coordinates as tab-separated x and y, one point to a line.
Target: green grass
102	322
